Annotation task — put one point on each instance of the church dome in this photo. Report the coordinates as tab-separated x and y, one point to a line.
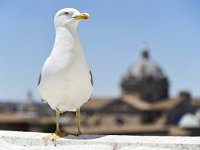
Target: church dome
146	79
145	68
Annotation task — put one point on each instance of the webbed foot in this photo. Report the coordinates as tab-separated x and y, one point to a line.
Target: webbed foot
54	136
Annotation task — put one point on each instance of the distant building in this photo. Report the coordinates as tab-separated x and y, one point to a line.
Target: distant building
144	107
146	79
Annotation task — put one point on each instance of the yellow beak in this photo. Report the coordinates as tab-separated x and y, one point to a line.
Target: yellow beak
82	16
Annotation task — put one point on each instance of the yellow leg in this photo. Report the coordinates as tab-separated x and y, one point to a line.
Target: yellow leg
57	121
57	133
78	117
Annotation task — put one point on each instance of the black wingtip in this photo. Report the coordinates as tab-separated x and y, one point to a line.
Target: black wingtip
39	79
91	77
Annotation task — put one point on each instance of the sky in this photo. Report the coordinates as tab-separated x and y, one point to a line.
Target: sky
112	40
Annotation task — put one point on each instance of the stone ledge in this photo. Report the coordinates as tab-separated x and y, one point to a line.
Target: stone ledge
33	141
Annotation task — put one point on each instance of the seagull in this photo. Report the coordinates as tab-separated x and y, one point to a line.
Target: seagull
65	81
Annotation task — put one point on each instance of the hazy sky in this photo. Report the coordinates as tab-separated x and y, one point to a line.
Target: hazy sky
112	40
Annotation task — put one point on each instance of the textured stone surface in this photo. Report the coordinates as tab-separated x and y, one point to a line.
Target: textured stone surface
143	148
33	141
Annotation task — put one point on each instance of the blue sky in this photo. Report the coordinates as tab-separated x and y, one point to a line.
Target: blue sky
112	40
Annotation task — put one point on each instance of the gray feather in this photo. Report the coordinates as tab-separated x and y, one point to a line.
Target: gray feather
39	80
91	80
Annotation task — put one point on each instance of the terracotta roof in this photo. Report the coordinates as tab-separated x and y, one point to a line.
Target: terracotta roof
146	106
176	131
134	101
97	103
195	102
21	118
166	104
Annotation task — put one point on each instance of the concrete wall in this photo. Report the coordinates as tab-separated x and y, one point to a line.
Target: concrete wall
33	141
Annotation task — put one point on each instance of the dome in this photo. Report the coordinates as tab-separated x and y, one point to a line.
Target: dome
146	79
146	68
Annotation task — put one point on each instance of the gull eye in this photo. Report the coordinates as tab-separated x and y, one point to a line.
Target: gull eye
66	13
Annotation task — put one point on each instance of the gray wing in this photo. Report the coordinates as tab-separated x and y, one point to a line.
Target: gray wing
39	80
91	80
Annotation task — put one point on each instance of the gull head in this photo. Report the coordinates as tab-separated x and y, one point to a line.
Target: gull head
69	18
